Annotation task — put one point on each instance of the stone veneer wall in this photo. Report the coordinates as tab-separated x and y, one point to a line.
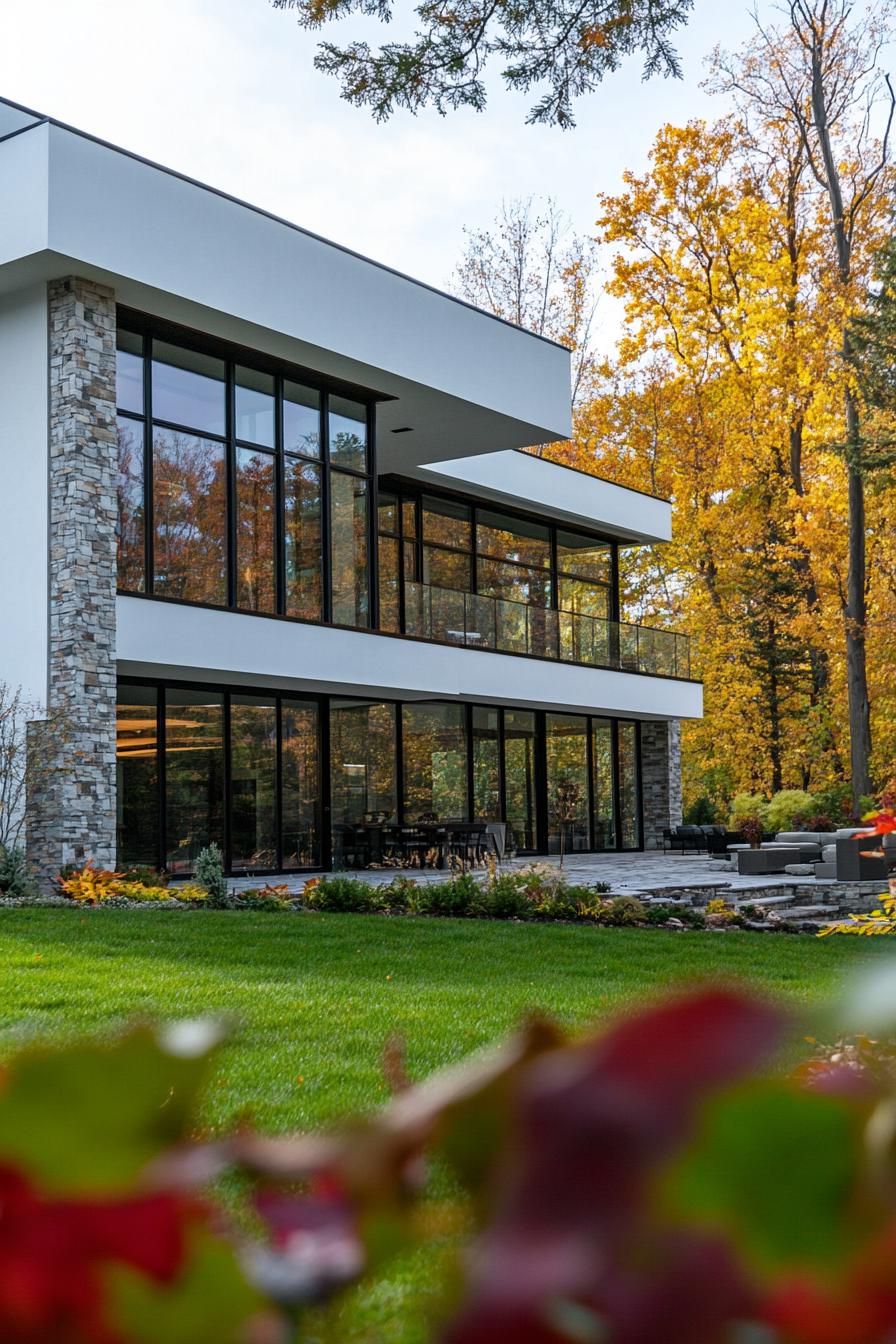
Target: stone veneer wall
660	779
71	813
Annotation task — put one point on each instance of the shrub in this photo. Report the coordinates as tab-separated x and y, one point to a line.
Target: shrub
701	812
569	903
718	911
137	891
505	898
661	913
746	805
16	879
787	809
210	875
401	894
820	822
834	801
146	876
456	898
626	911
340	895
89	884
752	828
268	898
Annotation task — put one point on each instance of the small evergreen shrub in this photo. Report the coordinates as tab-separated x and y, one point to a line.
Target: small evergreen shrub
209	873
661	913
16	880
701	812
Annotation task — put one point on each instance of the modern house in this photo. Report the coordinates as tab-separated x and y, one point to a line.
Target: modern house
273	556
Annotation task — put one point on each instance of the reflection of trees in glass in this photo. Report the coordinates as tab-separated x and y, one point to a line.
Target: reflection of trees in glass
301	784
131	550
302	525
190	504
194	774
434	751
253	782
567	757
137	776
486	765
362	761
348	548
628	786
604	806
255	532
519	775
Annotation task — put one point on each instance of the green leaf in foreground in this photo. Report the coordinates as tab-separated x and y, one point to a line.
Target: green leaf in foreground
86	1118
776	1169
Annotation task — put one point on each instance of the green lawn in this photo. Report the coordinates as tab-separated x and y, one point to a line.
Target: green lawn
314	998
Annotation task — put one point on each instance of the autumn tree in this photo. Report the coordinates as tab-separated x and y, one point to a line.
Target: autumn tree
565	46
530	267
818	76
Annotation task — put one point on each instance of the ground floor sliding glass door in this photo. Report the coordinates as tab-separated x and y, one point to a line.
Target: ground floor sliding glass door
285	783
200	766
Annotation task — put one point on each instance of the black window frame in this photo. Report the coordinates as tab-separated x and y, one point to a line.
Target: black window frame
149	329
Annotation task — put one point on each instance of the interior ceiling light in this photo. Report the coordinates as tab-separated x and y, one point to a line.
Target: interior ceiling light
404	429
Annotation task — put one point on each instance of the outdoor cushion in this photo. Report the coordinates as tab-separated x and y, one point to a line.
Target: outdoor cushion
845	832
829	853
802	837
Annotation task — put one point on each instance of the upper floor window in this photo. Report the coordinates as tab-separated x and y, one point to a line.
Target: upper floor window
240	486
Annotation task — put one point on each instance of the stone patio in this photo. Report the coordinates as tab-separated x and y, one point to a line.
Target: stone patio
694	876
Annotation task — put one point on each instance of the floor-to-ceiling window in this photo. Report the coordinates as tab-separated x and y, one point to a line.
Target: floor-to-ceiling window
244	769
239	486
363	777
629	787
194	775
253	782
566	744
236	769
434	755
603	785
137	776
520	777
486	743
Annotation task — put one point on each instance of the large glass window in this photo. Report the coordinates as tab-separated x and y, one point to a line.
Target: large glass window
434	749
348	548
131	505
513	539
567	758
253	783
189	388
194	775
247	489
190	509
604	820
300	748
348	434
255	407
363	786
304	583
519	776
137	760
486	763
629	793
255	530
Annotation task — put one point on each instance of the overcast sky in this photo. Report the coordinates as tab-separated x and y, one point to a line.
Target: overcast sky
225	91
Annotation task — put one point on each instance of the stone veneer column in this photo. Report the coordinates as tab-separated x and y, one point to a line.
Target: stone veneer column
71	817
660	779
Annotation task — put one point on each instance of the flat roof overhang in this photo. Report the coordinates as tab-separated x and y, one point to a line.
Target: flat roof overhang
521	480
464	382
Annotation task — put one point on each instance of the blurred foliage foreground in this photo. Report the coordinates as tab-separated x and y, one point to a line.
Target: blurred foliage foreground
668	1179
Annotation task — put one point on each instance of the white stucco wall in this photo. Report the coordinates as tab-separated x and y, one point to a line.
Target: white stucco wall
168	640
23	491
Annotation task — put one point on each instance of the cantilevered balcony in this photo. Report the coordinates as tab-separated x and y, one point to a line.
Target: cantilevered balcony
448	616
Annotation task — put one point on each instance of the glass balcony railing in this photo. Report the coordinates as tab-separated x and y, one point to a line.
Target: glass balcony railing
478	622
